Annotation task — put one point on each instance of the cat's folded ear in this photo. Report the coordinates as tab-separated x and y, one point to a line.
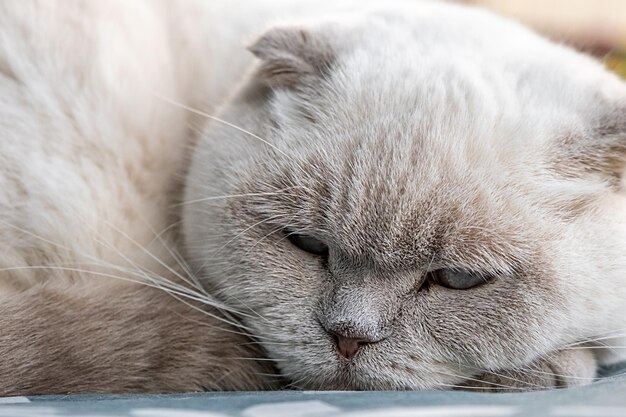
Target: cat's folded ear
292	57
612	143
601	152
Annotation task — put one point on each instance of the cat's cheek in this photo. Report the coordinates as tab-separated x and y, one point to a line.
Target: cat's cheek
489	326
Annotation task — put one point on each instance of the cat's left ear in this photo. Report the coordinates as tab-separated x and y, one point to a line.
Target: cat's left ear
292	57
612	145
607	155
602	152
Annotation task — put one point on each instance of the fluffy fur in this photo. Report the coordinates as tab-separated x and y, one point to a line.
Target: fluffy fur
92	161
408	138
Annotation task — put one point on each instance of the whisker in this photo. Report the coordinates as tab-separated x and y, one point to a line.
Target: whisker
207	313
593	347
144	250
539	372
223	197
192	279
495	384
245	334
504	376
611	335
238	235
470	388
219	120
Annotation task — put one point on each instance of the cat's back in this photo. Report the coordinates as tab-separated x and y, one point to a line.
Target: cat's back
93	134
92	153
89	151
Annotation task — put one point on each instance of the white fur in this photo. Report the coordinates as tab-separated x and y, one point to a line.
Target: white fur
486	103
92	148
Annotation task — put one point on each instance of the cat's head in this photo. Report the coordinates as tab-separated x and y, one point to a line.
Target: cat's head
420	194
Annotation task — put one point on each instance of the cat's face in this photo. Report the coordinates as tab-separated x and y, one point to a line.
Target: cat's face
415	202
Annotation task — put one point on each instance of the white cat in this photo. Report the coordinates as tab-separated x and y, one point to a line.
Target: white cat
416	194
411	149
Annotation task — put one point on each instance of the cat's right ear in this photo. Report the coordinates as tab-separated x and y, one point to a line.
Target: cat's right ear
292	57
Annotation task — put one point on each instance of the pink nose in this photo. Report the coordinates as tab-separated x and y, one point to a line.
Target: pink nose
348	347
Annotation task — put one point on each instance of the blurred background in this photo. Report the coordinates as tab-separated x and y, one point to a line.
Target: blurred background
594	26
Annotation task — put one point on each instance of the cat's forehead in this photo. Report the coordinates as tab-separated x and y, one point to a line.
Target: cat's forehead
459	69
418	140
400	198
457	77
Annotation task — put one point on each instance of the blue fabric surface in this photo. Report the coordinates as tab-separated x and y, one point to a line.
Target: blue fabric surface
606	397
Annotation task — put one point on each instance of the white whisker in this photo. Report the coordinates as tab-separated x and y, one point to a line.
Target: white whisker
219	120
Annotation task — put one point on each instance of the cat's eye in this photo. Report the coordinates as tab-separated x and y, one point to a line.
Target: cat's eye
309	244
458	280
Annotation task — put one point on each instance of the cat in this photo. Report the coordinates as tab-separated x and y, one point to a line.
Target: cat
351	179
414	195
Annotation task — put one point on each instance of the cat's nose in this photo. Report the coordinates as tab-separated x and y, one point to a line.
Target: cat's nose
348	341
348	347
356	315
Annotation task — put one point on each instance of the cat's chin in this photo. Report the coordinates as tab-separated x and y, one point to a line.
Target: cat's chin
558	369
367	381
367	373
394	364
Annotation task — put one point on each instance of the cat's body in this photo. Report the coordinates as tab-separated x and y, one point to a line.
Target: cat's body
93	145
92	164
